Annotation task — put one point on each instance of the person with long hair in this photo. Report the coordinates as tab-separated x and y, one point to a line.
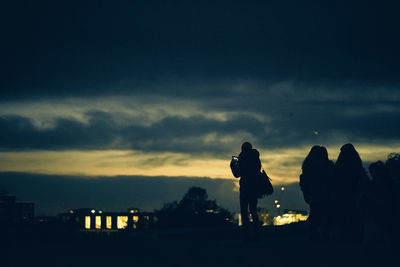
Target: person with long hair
351	181
315	182
249	165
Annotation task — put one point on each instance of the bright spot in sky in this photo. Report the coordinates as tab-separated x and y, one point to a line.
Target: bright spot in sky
316	132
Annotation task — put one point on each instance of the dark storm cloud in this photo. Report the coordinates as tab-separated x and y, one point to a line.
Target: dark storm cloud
98	47
20	133
189	134
290	68
101	132
54	194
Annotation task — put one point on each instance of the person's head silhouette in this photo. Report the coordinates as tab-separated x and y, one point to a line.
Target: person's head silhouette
246	146
378	171
348	148
348	158
348	151
317	155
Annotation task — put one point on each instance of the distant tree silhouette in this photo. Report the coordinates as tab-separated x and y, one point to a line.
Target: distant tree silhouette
170	206
393	166
195	202
194	209
196	194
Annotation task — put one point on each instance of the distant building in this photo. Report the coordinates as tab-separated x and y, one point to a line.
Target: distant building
13	211
92	219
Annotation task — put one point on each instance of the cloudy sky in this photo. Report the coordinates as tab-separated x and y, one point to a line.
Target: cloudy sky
172	88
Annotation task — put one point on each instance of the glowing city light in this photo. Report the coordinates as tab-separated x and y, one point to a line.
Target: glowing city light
87	222
283	188
122	222
288	218
108	222
98	222
278	206
92	211
276	201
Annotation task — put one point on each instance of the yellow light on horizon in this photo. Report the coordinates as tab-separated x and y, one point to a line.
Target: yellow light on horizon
104	163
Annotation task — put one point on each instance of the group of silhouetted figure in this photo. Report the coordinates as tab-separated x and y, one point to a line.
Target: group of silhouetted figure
345	203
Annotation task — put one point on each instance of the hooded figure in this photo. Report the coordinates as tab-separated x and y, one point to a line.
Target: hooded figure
316	184
351	182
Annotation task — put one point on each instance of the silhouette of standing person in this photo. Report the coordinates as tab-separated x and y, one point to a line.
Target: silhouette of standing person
380	200
249	166
315	182
350	183
393	168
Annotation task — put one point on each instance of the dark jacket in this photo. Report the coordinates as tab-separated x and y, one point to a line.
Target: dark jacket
316	181
249	165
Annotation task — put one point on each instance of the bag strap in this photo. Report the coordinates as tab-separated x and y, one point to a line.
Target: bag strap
262	168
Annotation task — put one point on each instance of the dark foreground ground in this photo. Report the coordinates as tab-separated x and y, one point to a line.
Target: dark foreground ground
278	246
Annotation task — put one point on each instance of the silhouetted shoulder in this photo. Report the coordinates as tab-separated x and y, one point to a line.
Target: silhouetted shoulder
256	153
250	154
